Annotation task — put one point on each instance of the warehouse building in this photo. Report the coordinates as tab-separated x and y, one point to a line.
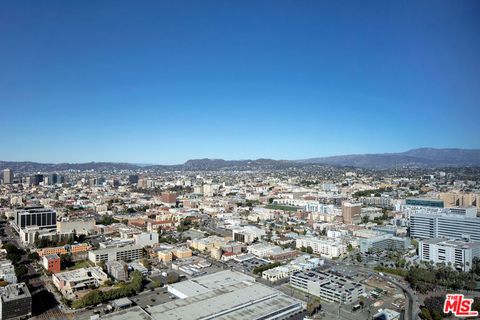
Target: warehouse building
226	295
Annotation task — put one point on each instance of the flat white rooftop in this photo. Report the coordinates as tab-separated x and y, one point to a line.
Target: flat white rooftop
239	301
207	283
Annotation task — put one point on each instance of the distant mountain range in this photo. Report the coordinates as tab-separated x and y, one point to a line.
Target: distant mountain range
422	157
418	158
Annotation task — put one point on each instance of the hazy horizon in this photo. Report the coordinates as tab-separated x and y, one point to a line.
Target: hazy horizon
226	159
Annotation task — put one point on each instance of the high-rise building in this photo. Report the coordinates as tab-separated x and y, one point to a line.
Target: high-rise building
16	301
7	176
169	197
351	212
36	179
52	178
451	226
133	178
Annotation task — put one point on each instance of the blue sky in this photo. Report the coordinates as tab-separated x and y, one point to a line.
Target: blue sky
167	81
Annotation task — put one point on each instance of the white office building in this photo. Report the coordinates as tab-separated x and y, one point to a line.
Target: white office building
451	226
7	272
325	247
127	253
247	234
459	254
384	242
35	216
146	239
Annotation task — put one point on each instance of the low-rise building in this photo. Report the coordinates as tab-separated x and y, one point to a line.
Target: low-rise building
384	242
117	269
226	294
52	263
146	239
181	253
77	226
208	243
325	247
126	253
70	283
327	286
7	272
301	263
247	234
165	256
73	249
459	254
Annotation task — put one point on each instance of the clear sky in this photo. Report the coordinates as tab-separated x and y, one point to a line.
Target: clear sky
167	81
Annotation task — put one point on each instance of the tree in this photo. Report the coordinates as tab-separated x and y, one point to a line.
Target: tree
33	256
359	257
309	250
313	307
20	270
66	261
260	269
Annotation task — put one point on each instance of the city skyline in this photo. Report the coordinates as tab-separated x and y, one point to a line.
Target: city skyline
162	82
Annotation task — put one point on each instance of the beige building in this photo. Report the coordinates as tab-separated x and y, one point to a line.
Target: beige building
458	199
216	253
351	212
207	244
182	253
165	256
78	226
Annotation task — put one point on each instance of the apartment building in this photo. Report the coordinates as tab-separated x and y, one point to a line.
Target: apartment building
126	253
324	247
